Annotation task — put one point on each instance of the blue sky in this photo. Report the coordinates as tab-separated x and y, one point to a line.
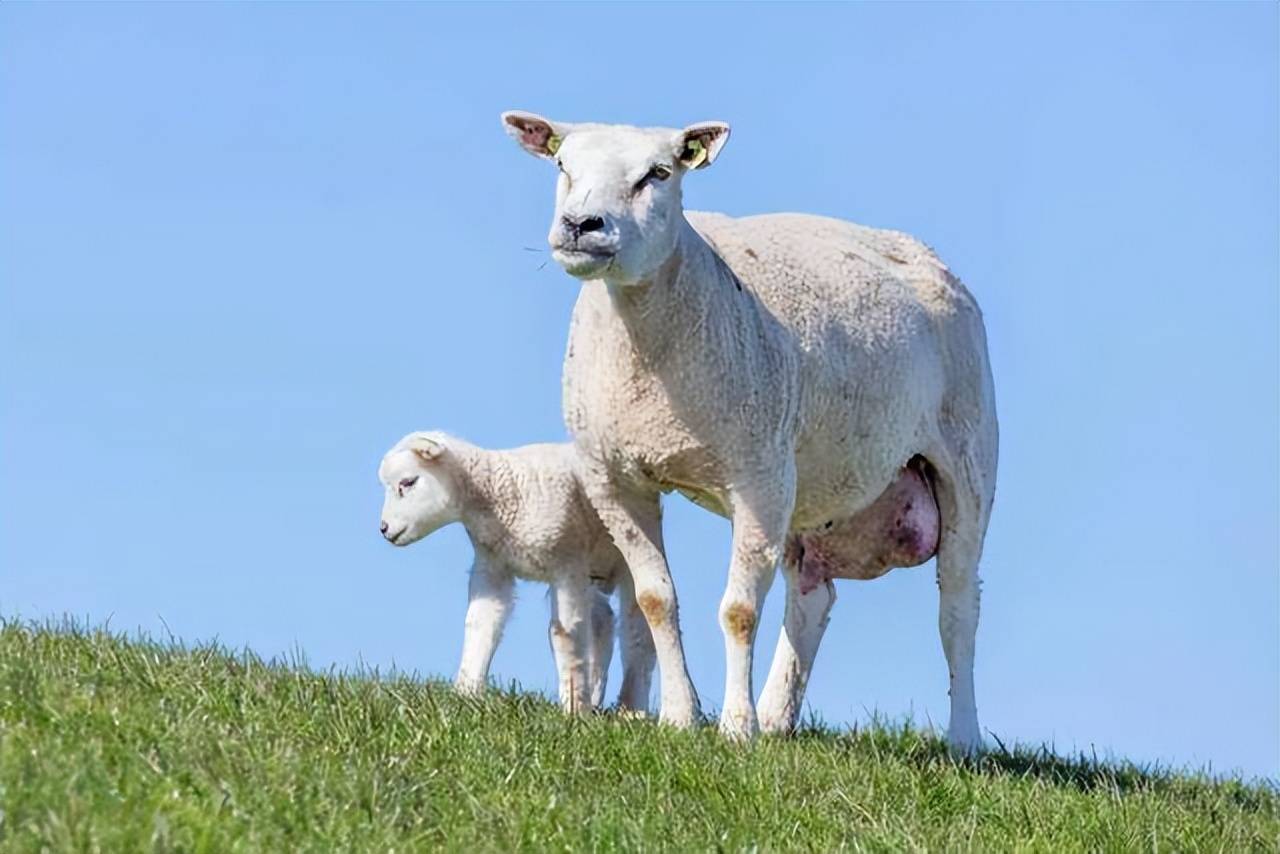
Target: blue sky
247	247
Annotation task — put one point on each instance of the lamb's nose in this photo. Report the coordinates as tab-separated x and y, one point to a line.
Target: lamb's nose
384	528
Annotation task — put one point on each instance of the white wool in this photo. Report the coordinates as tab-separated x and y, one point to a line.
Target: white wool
780	370
527	517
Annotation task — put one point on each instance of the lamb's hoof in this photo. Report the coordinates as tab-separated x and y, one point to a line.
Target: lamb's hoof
632	714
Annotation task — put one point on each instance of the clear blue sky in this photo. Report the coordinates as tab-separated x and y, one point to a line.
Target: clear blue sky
244	248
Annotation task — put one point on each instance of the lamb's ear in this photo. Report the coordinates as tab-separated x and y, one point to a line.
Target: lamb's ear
536	135
698	145
427	450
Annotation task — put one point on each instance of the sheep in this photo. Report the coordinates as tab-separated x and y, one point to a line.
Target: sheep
822	384
527	517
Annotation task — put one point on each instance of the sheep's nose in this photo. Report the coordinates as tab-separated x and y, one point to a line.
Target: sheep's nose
582	225
384	528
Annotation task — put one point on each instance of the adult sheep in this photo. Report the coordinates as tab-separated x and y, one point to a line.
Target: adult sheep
823	385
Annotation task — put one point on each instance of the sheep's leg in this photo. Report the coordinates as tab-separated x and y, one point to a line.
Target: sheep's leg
490	595
570	640
602	631
634	521
804	622
964	506
760	522
638	654
958	607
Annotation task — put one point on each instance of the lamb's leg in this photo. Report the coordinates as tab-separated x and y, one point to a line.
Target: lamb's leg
634	521
760	521
490	595
804	622
571	640
602	632
638	655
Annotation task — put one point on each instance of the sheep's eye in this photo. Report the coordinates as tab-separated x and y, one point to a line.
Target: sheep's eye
658	172
407	482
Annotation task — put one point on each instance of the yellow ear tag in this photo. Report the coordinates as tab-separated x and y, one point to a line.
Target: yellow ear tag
553	144
695	153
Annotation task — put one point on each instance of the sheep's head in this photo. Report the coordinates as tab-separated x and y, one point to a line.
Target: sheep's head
421	493
618	206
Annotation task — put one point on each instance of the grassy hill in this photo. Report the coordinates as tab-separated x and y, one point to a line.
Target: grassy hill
123	745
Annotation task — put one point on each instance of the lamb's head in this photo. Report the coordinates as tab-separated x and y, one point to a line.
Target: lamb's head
421	491
618	206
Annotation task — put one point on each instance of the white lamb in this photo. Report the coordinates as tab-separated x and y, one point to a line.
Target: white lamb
527	517
822	384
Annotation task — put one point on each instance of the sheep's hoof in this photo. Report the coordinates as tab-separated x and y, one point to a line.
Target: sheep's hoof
739	726
469	687
964	744
776	718
776	724
681	719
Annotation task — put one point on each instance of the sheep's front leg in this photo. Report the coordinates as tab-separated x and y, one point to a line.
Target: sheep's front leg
760	521
634	521
803	625
570	633
490	595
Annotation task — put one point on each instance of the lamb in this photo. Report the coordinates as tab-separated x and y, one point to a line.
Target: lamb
822	384
527	517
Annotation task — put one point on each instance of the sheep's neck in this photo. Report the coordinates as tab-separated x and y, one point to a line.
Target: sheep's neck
676	300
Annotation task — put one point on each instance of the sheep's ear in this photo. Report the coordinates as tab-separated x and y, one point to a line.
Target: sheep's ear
698	145
427	450
536	135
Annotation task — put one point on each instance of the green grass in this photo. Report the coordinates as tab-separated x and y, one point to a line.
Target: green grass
114	744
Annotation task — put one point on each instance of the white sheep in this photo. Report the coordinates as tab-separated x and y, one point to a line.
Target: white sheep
822	384
527	517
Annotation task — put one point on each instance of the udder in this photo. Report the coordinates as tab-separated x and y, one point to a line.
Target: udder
899	529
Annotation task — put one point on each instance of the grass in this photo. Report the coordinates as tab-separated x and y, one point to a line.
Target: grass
116	744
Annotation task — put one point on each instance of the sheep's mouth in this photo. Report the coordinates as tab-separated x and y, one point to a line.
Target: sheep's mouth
395	538
574	253
583	262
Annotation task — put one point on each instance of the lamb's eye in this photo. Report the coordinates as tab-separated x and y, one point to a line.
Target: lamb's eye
406	483
658	172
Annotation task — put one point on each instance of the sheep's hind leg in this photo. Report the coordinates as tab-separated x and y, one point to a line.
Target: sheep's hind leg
964	503
898	529
803	624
